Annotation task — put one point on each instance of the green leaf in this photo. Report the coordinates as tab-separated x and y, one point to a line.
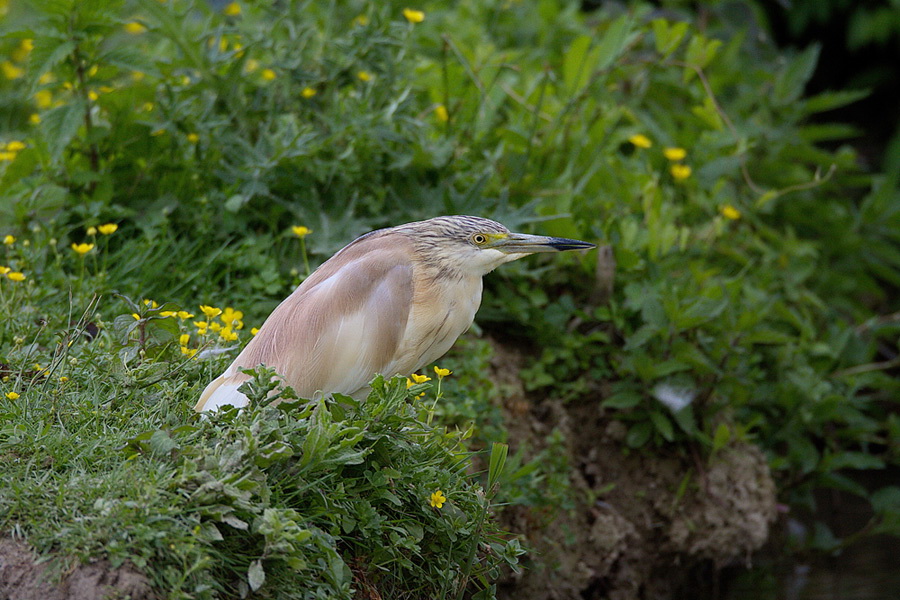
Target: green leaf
790	82
48	52
623	399
612	41
59	125
497	461
663	425
667	36
578	64
639	434
721	437
853	460
161	443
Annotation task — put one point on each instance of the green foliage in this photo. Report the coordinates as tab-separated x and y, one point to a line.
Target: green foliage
741	296
333	493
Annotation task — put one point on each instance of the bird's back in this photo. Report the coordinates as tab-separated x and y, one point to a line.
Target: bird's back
340	326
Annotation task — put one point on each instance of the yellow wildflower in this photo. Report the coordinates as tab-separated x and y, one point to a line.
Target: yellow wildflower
4	270
9	240
136	316
16	276
25	47
301	231
232	10
15	146
93	95
108	228
43	98
215	326
193	138
251	65
364	76
730	212
437	499
82	249
232	318
92	231
254	330
167	313
63	379
361	20
7	155
183	339
202	326
674	153
189	352
420	378
34	118
135	28
308	92
12	396
640	140
228	335
413	16
268	74
150	303
10	70
441	373
680	172
211	312
440	111
184	315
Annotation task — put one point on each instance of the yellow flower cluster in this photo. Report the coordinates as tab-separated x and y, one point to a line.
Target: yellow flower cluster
301	231
228	324
679	171
16	276
11	70
9	150
105	229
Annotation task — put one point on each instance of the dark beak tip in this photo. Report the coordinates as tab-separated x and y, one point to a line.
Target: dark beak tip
563	244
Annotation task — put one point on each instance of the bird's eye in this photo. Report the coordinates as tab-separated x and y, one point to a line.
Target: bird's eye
479	238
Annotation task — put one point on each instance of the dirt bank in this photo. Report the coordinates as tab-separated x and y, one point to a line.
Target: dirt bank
645	523
22	577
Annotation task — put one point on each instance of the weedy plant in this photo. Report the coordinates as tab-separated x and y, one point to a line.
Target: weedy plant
188	153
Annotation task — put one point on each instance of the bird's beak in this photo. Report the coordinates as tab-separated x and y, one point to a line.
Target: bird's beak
522	243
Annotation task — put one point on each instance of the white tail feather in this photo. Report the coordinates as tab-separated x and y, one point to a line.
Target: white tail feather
221	391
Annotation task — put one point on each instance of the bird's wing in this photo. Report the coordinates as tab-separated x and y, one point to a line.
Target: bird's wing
333	334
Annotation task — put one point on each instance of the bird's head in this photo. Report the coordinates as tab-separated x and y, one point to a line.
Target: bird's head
477	245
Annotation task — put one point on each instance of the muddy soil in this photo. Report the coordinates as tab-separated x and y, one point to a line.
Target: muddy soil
24	577
646	525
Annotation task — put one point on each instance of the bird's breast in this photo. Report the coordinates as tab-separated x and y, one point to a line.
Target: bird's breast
442	310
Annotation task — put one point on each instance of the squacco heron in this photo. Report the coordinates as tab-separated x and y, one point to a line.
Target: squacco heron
390	302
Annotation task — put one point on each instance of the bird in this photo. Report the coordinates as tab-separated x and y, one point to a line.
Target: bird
390	302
